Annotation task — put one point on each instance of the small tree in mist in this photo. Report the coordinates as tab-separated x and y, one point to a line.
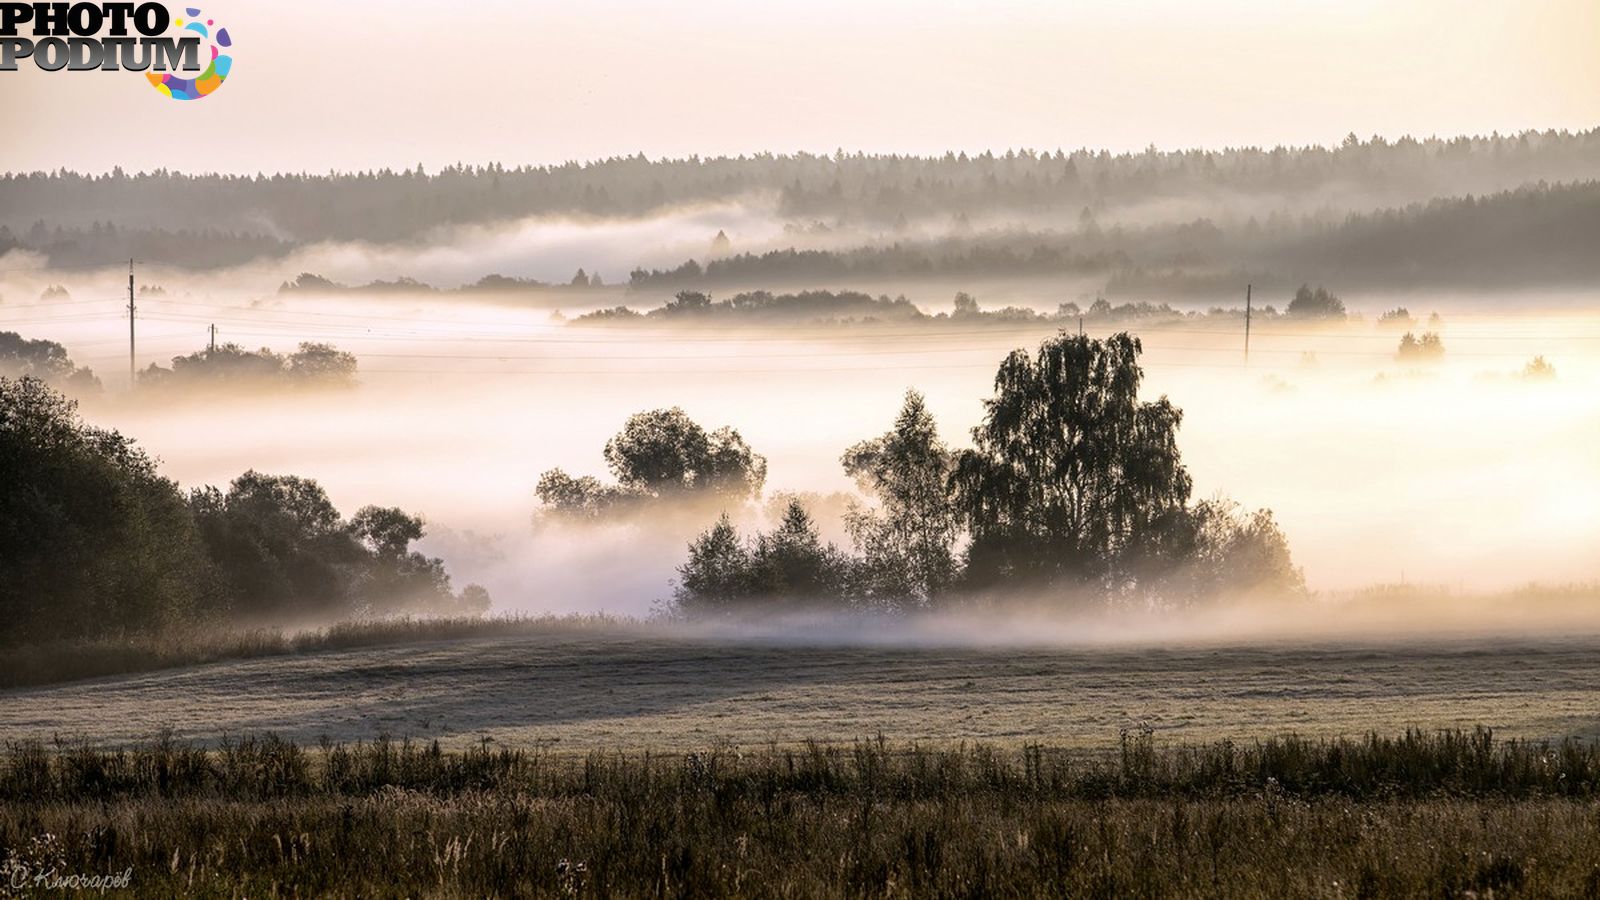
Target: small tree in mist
791	564
659	455
787	568
906	543
321	365
283	551
1072	477
44	360
1538	369
582	498
1222	553
1318	303
395	577
716	576
1428	348
663	451
1397	318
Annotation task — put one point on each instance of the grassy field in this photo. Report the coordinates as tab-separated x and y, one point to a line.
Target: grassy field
610	690
1445	814
639	761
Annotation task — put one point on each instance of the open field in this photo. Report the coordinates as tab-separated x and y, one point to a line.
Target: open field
675	691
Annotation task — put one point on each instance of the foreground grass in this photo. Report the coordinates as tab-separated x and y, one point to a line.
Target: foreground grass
58	661
1450	814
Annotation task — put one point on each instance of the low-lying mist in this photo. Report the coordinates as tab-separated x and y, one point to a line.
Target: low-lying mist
1464	472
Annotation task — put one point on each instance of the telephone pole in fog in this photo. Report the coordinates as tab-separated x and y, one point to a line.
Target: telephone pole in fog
211	347
131	310
1247	324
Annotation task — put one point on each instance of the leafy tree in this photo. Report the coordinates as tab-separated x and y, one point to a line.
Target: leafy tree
1222	552
659	454
966	304
280	546
93	541
716	577
1315	304
581	498
397	578
1073	479
44	360
789	567
907	542
322	364
284	551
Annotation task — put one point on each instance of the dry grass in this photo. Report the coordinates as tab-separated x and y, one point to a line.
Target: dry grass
1446	814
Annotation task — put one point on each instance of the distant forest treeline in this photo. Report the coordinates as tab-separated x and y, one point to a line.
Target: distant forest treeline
386	205
1536	234
1539	234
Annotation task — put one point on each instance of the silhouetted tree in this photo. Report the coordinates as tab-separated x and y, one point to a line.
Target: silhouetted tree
787	568
1073	479
663	451
906	544
716	577
1428	348
44	360
1315	304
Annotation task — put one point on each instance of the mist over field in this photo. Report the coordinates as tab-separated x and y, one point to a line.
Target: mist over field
483	361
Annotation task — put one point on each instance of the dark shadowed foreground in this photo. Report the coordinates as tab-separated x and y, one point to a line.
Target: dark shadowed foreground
675	691
1454	814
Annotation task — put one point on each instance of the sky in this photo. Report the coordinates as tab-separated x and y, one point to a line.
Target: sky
356	85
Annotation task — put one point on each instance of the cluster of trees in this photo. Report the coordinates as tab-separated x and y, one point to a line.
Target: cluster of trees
44	360
97	543
312	283
659	455
767	308
1001	256
1074	490
1318	303
1428	348
312	365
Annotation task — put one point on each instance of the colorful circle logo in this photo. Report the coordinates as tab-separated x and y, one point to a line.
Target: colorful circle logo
213	76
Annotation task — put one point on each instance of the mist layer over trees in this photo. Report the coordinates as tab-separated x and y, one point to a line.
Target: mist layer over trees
1461	212
1074	492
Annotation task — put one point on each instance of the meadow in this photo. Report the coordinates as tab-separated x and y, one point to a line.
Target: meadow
681	689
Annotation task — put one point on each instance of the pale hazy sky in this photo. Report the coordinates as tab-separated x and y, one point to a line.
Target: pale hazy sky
367	84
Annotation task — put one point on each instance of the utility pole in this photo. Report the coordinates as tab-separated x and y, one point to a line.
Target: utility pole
212	346
1080	326
1247	324
131	310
